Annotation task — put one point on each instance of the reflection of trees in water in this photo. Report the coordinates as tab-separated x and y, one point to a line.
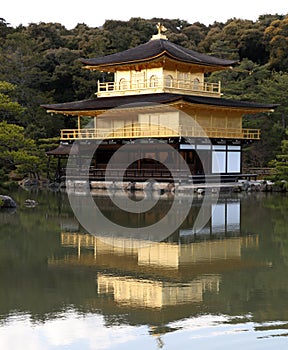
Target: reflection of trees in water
267	215
278	205
265	294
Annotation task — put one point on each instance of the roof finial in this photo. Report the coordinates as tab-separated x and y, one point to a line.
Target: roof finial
161	29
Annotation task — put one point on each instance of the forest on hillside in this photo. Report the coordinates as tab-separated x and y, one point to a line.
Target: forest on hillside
40	65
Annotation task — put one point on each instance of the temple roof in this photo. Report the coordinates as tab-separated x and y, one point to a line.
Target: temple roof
61	150
105	103
154	49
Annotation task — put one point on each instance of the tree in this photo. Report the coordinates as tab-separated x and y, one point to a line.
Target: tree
21	66
276	36
9	110
4	29
42	62
252	46
17	152
280	163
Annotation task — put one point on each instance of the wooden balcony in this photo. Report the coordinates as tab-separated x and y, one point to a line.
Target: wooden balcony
158	131
187	87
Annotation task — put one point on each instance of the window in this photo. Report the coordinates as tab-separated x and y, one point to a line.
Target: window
138	80
122	84
225	162
153	81
234	162
196	83
169	81
180	80
218	162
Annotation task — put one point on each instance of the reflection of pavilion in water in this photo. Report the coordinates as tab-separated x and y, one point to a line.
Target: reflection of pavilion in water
179	270
156	294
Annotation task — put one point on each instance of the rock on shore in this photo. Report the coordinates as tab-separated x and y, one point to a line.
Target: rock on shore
7	202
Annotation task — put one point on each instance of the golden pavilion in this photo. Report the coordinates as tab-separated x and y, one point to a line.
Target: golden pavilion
158	96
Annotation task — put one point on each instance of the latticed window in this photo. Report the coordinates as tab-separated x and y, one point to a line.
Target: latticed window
122	84
153	81
169	81
196	83
138	79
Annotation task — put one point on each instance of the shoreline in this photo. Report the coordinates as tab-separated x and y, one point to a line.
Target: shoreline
182	187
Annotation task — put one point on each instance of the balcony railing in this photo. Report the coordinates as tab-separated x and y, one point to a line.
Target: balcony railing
159	85
146	131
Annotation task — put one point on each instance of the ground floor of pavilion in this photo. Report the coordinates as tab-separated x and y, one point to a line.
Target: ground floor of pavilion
168	160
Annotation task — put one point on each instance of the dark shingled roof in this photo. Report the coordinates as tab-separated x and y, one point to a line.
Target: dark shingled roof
156	48
105	103
61	150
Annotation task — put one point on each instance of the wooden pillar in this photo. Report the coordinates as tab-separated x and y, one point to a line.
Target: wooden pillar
95	247
79	246
139	162
95	126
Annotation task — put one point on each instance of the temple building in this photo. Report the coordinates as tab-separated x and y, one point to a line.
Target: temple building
158	105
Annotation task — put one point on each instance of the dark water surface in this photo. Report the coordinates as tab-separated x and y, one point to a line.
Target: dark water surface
222	287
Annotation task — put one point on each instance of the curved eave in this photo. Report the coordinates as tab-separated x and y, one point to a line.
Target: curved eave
230	107
242	110
259	110
80	112
108	67
97	106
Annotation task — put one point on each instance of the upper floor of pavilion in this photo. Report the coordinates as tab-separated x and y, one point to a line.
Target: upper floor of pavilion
158	66
159	75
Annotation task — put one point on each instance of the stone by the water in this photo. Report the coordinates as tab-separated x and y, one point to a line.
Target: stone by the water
7	202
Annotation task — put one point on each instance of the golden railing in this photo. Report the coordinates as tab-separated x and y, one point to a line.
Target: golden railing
110	88
144	131
120	133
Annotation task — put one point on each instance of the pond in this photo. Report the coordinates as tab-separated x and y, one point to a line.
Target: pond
219	280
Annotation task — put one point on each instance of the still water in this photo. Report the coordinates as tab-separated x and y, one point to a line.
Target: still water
219	287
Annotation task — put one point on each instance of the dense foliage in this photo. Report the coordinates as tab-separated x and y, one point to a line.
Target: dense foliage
40	64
